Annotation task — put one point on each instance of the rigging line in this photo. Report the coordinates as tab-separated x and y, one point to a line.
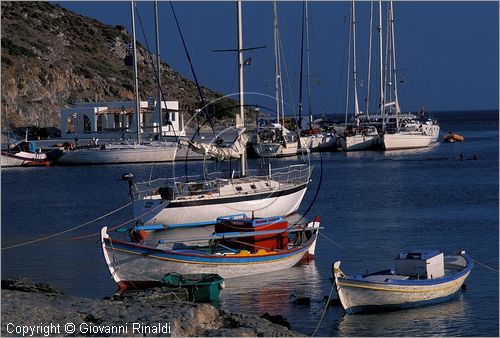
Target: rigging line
484	265
317	191
122	224
324	310
67	230
336	244
205	109
157	75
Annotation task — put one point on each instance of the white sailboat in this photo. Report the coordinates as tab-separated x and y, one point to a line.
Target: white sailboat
408	132
357	137
199	201
272	138
137	152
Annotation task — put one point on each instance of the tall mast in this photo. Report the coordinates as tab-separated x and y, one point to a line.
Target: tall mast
158	69
136	82
308	69
299	122
276	61
396	101
348	73
241	122
369	61
381	102
354	77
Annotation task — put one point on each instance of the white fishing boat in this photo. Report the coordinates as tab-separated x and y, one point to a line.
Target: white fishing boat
251	249
264	193
419	277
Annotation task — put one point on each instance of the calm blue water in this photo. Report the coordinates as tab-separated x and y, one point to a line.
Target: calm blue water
372	204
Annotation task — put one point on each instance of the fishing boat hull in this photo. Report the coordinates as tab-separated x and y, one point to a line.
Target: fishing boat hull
267	150
358	295
23	158
133	265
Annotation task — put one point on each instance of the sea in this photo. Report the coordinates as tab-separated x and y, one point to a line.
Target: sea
372	205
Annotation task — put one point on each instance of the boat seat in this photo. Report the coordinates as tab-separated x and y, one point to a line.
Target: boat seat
384	278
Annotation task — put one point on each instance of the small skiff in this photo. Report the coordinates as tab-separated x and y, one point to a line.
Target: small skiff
451	137
249	249
419	277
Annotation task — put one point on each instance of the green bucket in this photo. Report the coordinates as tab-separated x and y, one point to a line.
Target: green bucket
202	288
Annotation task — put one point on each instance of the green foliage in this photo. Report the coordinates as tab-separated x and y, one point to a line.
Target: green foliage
14	49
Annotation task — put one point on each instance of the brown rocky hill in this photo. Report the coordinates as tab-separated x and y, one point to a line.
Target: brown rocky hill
52	57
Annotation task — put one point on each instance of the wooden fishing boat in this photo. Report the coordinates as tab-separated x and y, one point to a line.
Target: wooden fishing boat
452	137
229	254
419	277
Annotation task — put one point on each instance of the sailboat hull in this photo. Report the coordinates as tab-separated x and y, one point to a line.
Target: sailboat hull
266	204
128	154
404	140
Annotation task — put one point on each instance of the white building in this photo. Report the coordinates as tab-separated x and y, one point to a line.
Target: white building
112	120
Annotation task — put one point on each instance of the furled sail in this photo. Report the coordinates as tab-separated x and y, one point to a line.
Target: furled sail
221	153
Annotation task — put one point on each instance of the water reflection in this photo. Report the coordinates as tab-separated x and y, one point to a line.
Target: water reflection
436	320
294	293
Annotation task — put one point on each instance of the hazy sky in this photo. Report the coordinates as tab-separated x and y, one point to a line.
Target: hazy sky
447	52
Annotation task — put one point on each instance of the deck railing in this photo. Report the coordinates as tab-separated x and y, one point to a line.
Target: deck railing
171	188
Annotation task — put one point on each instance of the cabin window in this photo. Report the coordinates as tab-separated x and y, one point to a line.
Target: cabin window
239	189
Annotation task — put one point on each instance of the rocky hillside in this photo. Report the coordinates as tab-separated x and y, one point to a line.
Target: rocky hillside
52	57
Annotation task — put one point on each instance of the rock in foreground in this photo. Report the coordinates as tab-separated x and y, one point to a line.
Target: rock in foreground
29	306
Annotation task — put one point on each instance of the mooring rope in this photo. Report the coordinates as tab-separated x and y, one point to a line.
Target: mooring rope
67	230
484	265
124	223
324	310
336	244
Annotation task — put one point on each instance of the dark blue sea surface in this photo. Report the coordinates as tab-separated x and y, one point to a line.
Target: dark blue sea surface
372	205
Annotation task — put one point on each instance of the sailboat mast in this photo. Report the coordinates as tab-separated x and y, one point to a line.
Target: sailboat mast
158	69
241	122
276	61
354	77
136	81
369	61
308	68
381	102
396	101
299	122
348	73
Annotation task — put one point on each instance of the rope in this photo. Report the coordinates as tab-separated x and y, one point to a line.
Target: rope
67	230
484	265
324	310
338	245
124	223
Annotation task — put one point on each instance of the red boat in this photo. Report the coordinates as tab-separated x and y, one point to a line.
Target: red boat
242	223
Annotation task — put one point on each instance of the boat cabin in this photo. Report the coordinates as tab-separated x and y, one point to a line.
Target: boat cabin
420	264
116	120
242	223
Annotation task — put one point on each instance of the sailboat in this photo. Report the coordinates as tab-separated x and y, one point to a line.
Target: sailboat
401	131
359	136
199	201
272	138
137	152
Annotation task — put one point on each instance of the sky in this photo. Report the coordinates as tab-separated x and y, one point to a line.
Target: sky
446	52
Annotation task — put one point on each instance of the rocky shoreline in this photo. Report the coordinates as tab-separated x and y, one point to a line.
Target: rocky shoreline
40	310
